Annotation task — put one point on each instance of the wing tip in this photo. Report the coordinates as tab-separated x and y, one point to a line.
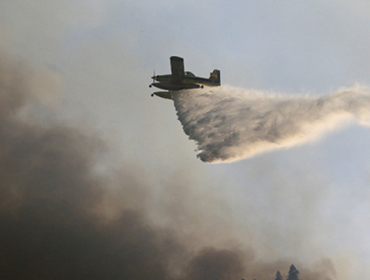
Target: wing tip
176	58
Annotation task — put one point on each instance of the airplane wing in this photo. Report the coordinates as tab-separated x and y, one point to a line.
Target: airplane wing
177	68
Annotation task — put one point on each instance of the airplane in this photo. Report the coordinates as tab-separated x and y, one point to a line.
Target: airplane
179	79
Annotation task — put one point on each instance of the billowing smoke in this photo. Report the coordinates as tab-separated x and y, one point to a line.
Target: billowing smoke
230	124
59	216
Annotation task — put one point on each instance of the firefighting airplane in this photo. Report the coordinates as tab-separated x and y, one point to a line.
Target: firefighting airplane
179	79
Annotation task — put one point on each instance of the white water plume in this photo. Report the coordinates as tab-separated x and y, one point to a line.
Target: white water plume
230	124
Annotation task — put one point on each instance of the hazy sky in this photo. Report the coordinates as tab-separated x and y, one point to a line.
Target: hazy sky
305	205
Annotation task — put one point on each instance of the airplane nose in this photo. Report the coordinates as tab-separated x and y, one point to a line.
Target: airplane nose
154	77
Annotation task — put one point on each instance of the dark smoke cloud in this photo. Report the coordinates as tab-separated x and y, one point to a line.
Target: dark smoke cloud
50	225
215	264
54	207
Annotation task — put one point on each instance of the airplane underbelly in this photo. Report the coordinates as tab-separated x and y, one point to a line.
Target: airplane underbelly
175	86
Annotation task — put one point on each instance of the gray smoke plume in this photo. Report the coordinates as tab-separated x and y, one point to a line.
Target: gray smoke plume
52	202
56	218
230	124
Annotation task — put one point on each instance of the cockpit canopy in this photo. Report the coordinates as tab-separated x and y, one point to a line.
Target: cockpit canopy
189	74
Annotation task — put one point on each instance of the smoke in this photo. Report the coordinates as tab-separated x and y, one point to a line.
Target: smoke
62	218
230	124
52	201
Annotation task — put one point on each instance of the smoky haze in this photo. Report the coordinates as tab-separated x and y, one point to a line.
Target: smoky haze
61	218
230	124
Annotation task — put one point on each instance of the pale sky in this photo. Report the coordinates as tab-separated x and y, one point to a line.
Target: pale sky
301	204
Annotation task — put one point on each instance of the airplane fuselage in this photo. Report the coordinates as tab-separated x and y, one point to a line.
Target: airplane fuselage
188	82
171	86
180	79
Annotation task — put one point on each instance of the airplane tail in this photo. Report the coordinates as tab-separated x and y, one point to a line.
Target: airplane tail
216	77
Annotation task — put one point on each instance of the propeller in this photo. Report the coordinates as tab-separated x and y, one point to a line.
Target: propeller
153	78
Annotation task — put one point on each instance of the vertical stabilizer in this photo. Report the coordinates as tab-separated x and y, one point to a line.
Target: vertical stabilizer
216	77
